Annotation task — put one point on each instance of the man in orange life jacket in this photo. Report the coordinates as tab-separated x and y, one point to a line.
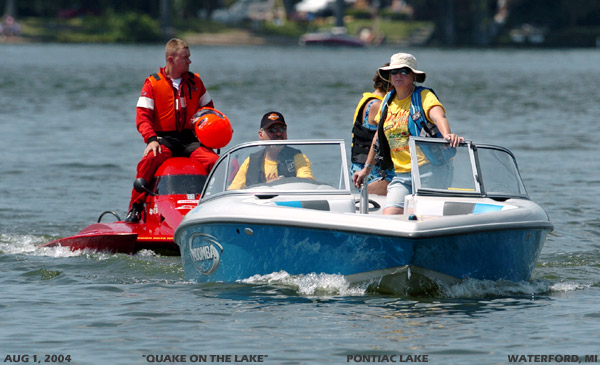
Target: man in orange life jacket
166	105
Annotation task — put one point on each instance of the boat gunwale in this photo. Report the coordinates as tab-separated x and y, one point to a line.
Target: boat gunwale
410	229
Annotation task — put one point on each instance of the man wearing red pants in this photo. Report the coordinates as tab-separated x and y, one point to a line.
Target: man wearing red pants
166	105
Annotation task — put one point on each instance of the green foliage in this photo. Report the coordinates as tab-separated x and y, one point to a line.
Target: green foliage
393	16
195	25
287	29
394	31
129	27
133	27
574	37
359	13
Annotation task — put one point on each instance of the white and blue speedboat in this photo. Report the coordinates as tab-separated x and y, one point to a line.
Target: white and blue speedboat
469	217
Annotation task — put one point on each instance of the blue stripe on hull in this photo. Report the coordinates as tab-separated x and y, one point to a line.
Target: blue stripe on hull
229	252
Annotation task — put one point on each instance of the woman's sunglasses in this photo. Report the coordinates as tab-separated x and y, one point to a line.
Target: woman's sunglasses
401	71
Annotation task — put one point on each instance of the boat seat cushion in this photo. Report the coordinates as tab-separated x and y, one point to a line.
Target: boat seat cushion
332	205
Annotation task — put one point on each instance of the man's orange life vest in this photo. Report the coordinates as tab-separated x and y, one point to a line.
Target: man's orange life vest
169	107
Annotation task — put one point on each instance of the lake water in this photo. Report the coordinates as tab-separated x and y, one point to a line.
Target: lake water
70	148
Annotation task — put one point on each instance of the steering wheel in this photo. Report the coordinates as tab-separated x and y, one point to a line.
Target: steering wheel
373	205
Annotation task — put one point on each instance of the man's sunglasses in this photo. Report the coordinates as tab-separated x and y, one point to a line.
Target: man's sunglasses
401	71
280	129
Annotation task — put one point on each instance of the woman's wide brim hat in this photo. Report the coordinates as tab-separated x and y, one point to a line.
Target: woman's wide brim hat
400	60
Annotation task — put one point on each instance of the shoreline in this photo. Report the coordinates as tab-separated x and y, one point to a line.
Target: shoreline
248	38
235	38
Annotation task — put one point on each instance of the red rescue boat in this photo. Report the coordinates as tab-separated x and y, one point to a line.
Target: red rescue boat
174	191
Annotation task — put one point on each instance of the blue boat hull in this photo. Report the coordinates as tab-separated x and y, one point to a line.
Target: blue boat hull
229	252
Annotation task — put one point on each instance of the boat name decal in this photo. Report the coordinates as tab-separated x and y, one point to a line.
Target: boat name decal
205	253
188	201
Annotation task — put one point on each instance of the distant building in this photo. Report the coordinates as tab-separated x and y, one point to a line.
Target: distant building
320	7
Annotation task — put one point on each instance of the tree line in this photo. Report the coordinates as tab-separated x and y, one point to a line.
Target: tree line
457	21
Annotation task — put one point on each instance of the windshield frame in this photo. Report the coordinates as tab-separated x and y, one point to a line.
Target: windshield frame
478	176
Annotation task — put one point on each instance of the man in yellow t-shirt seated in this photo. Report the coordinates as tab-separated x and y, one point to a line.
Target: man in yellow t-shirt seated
274	162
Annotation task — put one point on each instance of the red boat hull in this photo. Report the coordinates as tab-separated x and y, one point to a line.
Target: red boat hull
108	242
119	237
176	189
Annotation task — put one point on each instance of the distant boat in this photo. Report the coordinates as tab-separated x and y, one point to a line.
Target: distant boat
336	37
528	34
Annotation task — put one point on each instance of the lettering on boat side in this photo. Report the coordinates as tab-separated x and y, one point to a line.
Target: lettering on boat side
205	252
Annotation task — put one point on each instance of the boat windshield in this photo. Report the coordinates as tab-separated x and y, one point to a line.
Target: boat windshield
289	166
179	184
469	169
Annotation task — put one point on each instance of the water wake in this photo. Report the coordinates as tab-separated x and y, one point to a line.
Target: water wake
28	245
336	285
311	284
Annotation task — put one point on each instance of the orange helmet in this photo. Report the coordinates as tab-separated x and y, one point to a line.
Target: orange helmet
212	128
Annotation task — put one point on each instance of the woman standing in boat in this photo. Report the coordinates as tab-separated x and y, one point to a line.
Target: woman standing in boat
363	130
395	129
